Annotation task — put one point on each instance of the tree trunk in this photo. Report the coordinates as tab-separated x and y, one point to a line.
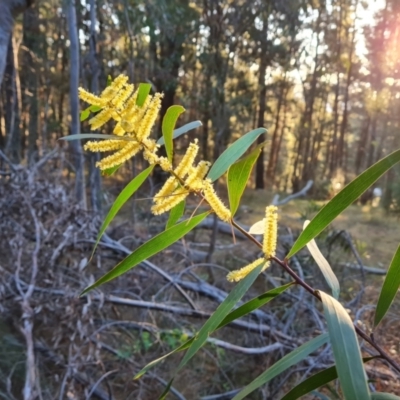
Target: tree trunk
13	92
273	153
9	9
30	80
75	145
95	177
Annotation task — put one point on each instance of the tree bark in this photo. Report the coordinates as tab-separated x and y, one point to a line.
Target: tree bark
9	9
75	145
95	178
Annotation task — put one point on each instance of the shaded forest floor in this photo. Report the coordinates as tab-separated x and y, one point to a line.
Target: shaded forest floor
91	347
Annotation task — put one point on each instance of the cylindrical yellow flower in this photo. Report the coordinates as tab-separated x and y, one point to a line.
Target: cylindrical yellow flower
104	145
187	161
215	202
91	98
149	119
171	201
239	274
169	186
120	98
195	178
116	85
127	152
270	231
101	118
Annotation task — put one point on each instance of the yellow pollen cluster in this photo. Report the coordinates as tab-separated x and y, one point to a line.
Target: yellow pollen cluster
215	202
125	153
270	231
239	274
118	103
104	145
177	188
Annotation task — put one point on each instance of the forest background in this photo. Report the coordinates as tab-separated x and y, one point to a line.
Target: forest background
321	76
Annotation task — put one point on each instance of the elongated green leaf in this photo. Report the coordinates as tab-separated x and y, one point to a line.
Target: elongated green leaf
148	249
122	198
93	108
323	265
343	199
220	313
182	130
111	171
143	92
314	382
81	136
168	125
176	213
389	289
238	176
153	363
283	364
241	311
346	350
233	153
84	114
254	304
384	396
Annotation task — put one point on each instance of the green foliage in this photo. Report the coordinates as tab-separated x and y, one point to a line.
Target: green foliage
283	364
346	350
175	214
220	313
168	125
181	131
233	153
314	382
122	198
238	176
144	90
150	248
389	289
324	266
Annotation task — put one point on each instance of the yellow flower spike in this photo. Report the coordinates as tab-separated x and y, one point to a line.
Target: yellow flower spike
116	85
130	105
128	151
149	119
101	118
150	144
187	161
169	186
195	178
135	113
215	202
119	100
150	157
239	274
91	98
104	145
270	231
170	201
165	164
118	130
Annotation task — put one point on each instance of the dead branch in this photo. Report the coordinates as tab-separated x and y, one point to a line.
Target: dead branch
370	270
302	192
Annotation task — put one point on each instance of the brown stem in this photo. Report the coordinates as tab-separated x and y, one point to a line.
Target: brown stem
369	339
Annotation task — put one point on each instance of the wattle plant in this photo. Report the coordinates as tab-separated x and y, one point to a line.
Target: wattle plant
134	114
